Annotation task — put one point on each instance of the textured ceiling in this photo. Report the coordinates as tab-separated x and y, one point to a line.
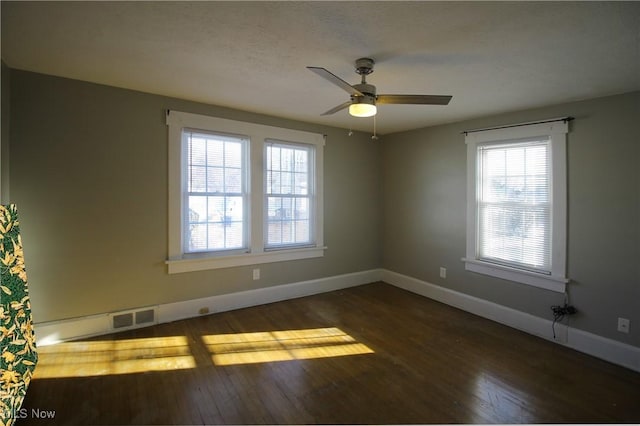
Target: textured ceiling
491	56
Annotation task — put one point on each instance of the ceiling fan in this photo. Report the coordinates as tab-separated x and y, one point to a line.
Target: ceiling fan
363	96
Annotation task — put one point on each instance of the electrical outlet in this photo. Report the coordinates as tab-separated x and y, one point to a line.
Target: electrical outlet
256	274
623	325
443	272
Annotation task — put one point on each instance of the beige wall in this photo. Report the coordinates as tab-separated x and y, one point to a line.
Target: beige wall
424	213
89	175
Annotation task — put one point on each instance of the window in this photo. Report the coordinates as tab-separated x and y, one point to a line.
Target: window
241	193
289	194
516	207
216	192
514	203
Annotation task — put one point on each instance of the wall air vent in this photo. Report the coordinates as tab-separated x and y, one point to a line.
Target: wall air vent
133	319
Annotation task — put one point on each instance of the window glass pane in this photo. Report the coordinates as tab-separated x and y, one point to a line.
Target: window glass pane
514	161
215	236
216	209
197	151
301	183
286	157
273	182
215	179
286	180
232	155
233	234
301	161
197	238
234	209
233	180
301	229
197	179
514	188
301	208
273	153
197	209
215	152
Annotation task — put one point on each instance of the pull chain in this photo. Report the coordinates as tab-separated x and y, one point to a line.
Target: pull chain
374	137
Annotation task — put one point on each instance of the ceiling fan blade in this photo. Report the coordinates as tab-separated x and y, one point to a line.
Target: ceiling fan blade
414	99
336	80
338	108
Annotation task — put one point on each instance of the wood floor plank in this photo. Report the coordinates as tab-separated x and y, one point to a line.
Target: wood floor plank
427	363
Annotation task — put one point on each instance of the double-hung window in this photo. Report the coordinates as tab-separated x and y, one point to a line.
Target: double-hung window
216	192
289	194
516	207
242	193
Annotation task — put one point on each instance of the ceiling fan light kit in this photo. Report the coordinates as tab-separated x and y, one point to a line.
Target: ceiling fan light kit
364	97
364	107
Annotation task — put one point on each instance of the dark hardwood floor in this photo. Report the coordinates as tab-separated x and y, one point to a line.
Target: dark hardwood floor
371	354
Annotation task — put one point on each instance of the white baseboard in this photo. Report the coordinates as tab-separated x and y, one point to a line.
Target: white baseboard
51	332
607	349
227	302
589	343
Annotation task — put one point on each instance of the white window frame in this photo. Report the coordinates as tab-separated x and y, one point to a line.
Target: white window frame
556	131
257	134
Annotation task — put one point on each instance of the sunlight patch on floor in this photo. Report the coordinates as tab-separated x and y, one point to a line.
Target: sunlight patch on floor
286	345
106	357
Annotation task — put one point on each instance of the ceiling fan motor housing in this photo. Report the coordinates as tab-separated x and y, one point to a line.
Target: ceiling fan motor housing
364	67
367	89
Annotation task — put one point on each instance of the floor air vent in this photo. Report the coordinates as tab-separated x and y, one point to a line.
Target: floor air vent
145	317
133	319
123	320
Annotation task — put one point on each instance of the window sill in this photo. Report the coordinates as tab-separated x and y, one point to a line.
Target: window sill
177	266
546	282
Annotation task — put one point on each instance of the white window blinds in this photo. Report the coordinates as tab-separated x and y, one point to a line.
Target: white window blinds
514	217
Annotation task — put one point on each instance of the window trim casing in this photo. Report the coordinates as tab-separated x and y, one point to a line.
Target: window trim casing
556	130
257	134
